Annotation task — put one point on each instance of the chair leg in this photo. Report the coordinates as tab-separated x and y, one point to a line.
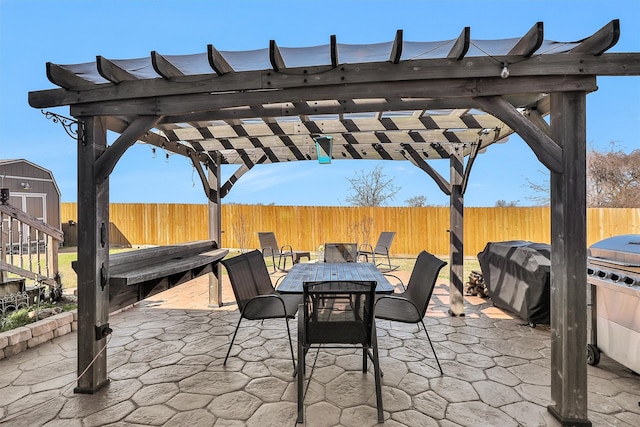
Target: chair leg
378	375
293	358
232	340
432	349
301	368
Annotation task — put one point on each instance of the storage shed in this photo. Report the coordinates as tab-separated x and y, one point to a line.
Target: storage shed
32	189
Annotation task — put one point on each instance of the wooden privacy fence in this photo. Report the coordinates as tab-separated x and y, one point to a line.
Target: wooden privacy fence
307	227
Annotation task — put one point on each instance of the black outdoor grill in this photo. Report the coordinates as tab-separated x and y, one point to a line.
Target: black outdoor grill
517	276
613	271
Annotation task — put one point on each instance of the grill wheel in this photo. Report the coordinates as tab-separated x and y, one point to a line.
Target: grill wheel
593	355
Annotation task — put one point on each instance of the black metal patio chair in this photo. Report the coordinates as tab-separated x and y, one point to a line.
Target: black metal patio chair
411	305
382	247
269	247
338	314
255	295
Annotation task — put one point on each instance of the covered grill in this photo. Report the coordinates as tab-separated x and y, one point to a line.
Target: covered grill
613	271
517	276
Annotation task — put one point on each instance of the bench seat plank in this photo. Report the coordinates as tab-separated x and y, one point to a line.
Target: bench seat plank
142	270
143	254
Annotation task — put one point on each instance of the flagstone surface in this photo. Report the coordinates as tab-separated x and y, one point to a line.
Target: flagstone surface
165	365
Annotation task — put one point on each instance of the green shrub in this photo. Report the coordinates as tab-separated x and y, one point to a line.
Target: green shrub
15	319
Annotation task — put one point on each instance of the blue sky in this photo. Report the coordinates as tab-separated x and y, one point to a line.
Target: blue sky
33	32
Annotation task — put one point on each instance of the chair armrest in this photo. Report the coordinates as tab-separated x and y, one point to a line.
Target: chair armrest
386	249
259	297
283	249
269	249
363	248
278	281
397	297
397	278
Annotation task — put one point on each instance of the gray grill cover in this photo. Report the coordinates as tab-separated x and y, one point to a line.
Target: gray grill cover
517	276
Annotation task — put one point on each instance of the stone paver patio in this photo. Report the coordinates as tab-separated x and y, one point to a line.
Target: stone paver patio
165	366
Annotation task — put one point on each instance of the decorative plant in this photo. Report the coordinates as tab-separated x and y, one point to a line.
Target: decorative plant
240	232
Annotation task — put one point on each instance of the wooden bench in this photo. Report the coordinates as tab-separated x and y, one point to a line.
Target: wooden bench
139	274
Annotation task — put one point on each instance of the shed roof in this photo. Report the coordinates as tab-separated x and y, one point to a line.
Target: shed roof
47	172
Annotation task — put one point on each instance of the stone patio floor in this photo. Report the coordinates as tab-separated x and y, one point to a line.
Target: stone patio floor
165	366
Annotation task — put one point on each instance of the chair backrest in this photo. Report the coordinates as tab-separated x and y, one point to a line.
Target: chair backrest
423	280
268	240
340	252
338	312
249	276
260	272
384	242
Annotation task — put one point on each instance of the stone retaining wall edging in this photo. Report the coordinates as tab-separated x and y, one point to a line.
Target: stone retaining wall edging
28	336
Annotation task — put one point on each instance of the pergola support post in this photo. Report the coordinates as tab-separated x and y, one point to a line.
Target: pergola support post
93	257
215	228
456	231
569	262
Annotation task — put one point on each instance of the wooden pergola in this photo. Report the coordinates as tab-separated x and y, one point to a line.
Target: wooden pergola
401	100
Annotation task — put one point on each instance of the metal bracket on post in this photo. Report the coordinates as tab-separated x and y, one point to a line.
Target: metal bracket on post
103	276
103	234
67	123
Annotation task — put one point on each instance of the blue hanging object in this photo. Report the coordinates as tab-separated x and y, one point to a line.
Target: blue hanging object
324	145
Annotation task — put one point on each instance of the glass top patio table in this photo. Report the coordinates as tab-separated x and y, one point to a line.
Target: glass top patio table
333	271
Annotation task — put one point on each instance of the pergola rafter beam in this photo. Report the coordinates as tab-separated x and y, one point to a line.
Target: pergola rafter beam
112	72
275	57
396	50
531	41
395	126
164	67
66	79
569	64
601	41
335	60
339	139
343	106
461	45
217	62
